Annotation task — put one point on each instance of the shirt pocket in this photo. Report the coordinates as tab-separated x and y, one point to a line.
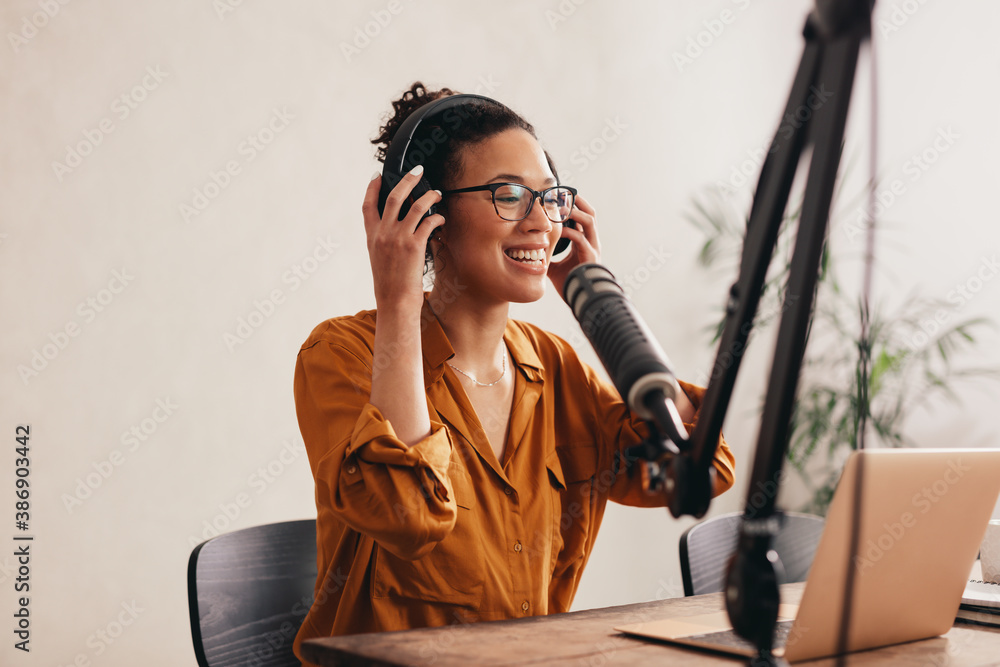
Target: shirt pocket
578	465
452	572
557	484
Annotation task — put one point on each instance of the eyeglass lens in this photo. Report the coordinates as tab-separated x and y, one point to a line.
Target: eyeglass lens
513	201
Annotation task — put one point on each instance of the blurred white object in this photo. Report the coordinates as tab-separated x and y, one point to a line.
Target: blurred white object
989	553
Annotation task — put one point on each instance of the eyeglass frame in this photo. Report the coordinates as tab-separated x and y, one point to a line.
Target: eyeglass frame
493	187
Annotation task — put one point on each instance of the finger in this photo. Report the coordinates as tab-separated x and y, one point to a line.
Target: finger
574	235
420	207
428	226
586	222
369	208
583	248
584	205
582	219
394	202
582	223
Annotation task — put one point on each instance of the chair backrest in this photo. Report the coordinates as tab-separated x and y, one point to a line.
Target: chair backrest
248	593
707	547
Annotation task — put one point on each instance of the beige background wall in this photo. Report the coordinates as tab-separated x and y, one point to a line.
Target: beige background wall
212	161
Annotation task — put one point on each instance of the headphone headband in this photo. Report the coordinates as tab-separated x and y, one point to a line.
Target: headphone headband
402	151
400	146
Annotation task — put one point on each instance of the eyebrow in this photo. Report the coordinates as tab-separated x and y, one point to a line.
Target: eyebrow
517	178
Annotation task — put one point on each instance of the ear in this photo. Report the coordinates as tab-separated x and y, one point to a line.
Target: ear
437	244
438	249
440	234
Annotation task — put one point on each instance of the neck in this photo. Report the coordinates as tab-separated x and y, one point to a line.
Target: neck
474	327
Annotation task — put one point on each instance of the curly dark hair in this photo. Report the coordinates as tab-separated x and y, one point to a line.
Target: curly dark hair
479	121
443	166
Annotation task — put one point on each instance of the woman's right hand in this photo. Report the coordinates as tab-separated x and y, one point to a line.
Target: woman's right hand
397	247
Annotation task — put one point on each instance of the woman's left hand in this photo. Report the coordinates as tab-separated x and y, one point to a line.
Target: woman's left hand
585	247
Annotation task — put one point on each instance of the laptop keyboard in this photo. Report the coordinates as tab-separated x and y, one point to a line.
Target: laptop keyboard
731	639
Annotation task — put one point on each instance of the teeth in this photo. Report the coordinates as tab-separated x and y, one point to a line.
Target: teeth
527	255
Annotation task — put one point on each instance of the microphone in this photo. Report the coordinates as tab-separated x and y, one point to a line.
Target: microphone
636	363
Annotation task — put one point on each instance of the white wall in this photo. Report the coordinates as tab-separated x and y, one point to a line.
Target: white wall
571	68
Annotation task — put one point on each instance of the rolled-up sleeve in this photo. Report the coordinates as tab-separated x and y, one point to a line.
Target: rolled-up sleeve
372	481
724	462
620	429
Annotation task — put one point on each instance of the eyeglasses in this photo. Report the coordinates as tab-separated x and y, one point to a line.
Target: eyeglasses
513	201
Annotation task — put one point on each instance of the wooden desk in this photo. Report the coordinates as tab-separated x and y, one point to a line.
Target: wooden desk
587	638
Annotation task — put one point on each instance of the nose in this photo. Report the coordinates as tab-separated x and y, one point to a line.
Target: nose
536	219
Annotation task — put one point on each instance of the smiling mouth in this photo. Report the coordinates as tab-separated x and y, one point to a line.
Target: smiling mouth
532	257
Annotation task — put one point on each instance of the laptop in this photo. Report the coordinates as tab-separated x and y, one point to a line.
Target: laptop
923	516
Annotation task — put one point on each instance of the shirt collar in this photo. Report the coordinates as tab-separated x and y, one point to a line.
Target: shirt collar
523	351
434	343
437	349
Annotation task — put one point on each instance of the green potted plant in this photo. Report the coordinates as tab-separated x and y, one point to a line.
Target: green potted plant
910	352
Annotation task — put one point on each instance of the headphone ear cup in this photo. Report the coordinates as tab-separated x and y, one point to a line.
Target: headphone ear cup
389	181
563	244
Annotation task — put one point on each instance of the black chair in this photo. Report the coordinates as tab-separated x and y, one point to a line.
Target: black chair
248	593
707	547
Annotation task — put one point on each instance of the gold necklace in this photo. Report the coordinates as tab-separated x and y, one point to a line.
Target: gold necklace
484	384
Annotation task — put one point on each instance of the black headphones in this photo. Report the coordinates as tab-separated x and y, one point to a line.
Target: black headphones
413	144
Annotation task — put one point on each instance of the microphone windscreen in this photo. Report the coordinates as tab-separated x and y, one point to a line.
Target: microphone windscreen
626	347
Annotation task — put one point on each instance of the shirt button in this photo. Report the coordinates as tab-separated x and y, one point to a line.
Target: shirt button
351	470
524	605
508	490
517	546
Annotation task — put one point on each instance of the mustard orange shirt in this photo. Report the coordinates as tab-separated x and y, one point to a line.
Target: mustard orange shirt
442	532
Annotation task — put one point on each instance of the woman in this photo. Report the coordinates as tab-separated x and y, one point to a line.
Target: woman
463	459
